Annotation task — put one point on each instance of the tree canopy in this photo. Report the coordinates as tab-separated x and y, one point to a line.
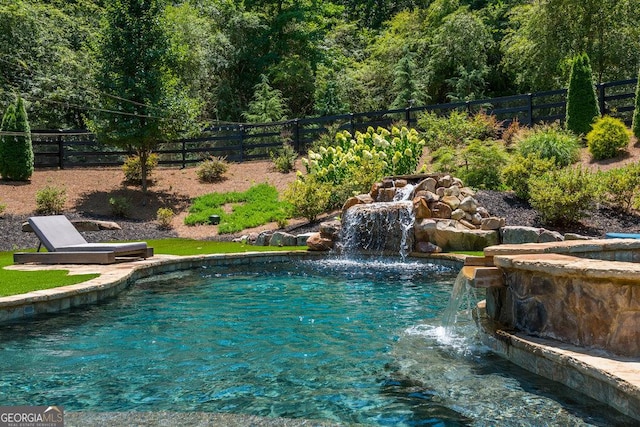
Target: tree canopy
323	57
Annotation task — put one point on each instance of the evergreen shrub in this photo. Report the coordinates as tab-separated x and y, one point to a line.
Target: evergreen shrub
132	168
608	136
120	206
16	151
582	103
164	216
620	187
284	160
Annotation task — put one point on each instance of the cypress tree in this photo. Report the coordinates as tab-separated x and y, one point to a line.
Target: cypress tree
636	112
582	103
16	151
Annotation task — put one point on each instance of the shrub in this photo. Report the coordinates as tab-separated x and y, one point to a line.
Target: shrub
562	196
457	128
483	161
50	200
608	136
2	208
284	160
550	142
308	196
212	170
445	160
120	206
620	187
519	170
16	151
132	168
582	103
512	131
164	216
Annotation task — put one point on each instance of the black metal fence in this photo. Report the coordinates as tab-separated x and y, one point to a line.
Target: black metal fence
240	142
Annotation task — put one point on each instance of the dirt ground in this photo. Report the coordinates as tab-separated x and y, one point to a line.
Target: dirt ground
88	191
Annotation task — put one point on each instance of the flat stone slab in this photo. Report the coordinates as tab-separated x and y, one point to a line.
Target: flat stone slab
565	247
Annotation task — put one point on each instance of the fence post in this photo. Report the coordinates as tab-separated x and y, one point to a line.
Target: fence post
241	142
60	152
352	124
530	108
184	154
407	116
296	136
603	104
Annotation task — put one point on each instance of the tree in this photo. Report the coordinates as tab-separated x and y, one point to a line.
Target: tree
267	105
636	112
16	151
582	103
142	102
329	97
403	84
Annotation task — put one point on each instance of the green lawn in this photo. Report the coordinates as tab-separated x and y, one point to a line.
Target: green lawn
19	282
257	206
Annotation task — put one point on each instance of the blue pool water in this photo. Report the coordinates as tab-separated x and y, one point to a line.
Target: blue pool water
344	341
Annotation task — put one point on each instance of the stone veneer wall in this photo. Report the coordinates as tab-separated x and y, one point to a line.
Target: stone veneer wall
584	302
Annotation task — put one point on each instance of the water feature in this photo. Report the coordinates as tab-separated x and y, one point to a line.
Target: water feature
378	228
351	341
461	303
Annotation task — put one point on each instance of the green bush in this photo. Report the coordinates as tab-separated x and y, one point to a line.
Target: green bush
50	200
608	136
309	197
164	216
582	103
212	170
519	170
620	187
2	208
550	142
284	160
562	196
483	161
132	168
16	151
445	160
456	129
120	206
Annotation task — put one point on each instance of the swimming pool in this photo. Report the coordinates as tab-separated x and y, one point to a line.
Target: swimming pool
347	341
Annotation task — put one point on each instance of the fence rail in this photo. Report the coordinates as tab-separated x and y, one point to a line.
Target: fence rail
240	142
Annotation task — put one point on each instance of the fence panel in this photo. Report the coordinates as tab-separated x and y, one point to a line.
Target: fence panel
239	142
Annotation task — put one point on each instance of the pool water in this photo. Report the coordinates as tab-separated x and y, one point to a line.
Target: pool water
344	341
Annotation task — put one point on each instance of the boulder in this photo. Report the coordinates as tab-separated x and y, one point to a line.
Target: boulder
445	181
386	194
547	236
316	242
440	192
457	214
301	239
399	183
330	229
574	236
492	223
263	238
424	230
468	224
421	208
375	190
427	184
441	210
451	238
281	238
452	201
469	204
356	200
427	248
388	183
520	234
452	191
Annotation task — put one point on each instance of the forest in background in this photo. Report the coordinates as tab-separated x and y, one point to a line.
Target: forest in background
261	61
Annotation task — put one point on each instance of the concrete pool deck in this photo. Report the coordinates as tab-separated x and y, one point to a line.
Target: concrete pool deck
616	380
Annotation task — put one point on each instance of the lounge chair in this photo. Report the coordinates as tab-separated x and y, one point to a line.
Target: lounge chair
65	245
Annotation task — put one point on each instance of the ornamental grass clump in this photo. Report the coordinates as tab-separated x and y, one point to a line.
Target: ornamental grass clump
550	142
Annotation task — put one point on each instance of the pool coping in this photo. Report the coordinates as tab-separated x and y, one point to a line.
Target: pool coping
542	357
